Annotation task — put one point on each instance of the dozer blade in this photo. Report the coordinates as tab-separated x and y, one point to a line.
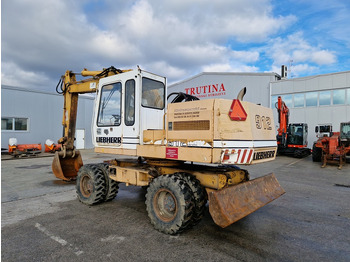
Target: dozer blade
66	168
230	204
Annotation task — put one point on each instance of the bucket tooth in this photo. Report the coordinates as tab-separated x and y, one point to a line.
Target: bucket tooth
66	168
230	204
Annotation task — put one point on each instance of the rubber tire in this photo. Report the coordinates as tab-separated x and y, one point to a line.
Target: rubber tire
112	186
183	200
298	153
316	154
199	196
94	178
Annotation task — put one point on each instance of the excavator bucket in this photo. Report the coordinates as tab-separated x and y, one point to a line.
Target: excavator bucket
66	167
230	204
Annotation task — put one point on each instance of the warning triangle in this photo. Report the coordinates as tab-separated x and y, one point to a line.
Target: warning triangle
237	112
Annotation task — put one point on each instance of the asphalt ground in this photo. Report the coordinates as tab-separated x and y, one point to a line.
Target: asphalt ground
42	220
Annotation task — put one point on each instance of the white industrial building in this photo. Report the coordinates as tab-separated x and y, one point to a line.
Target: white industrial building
33	116
228	85
320	99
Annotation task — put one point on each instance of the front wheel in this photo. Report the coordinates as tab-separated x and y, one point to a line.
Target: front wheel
90	185
169	203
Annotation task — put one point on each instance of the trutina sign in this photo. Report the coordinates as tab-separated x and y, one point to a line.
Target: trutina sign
207	90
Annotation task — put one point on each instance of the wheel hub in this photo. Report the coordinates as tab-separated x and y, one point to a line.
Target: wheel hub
165	205
86	186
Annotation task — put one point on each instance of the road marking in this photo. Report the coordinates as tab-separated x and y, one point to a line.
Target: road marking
113	238
295	162
61	241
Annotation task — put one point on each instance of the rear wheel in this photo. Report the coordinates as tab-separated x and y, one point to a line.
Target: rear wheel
199	196
90	185
169	203
316	153
112	186
298	153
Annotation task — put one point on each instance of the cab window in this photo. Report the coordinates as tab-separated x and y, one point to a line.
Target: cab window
129	103
153	93
110	105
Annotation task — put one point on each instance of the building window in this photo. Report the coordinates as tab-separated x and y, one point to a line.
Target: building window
299	100
339	97
311	98
6	123
14	124
348	94
288	99
325	98
274	100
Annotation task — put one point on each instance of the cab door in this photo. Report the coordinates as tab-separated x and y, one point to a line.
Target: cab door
108	115
130	116
305	134
153	99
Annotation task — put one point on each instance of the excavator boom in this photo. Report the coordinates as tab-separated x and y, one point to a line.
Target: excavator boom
66	163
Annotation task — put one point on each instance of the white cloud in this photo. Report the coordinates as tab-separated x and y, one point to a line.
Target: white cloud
139	20
108	45
245	56
298	51
300	68
323	57
12	75
229	68
165	69
244	20
313	55
174	38
296	70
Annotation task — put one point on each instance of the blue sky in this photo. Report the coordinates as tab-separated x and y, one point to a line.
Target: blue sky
177	39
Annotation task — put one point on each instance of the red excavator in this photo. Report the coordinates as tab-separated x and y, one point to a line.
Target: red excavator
291	138
332	147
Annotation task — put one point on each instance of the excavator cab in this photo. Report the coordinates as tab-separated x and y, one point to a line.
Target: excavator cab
126	105
325	130
127	102
345	132
297	134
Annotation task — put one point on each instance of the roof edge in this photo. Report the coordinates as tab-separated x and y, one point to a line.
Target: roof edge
310	77
225	73
29	90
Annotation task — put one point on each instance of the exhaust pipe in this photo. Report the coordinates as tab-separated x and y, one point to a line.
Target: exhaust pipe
241	94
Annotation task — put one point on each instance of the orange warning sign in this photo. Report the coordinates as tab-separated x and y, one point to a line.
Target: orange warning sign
237	112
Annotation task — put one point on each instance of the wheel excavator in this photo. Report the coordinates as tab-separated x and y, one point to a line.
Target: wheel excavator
291	138
185	152
332	147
